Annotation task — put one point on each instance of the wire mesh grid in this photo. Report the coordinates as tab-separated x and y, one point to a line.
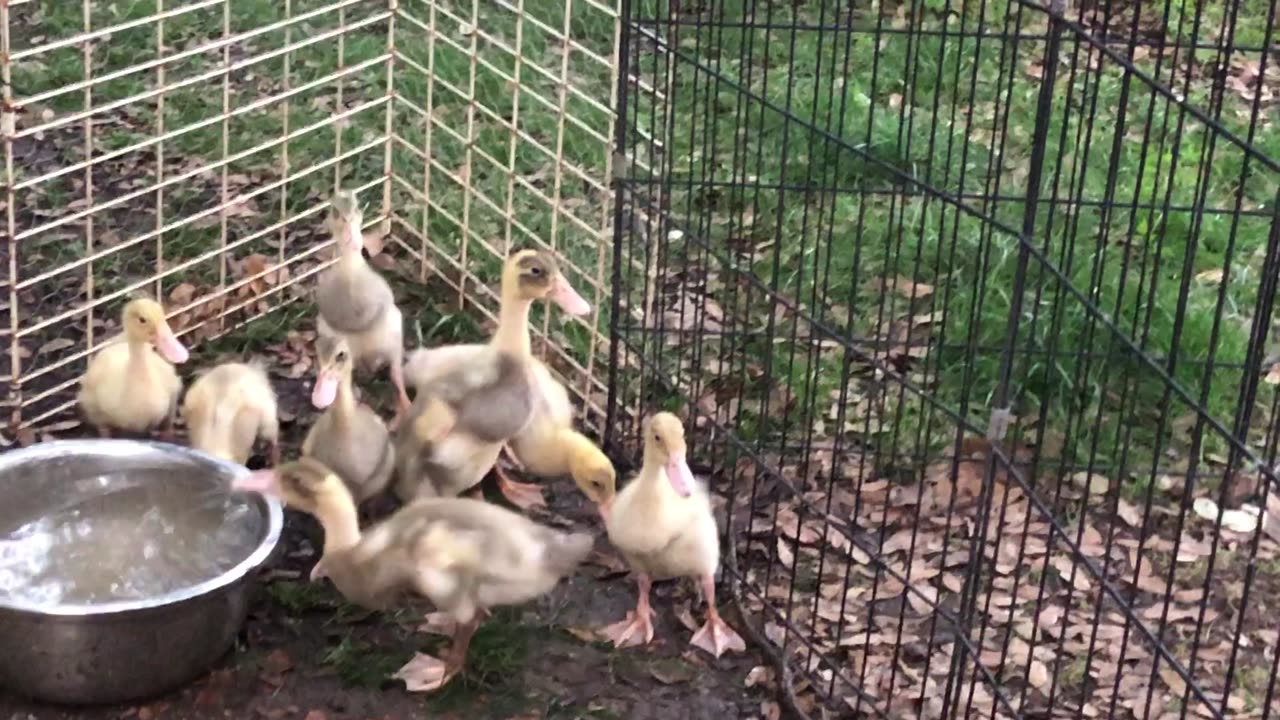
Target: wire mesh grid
969	307
187	150
501	138
180	150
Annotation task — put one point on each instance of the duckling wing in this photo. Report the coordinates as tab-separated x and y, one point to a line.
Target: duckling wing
425	365
496	410
504	557
351	302
361	454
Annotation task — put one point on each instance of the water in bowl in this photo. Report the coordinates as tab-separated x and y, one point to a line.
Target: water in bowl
118	536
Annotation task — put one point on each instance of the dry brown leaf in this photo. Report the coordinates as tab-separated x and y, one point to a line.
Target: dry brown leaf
785	556
1128	513
56	345
757	675
1173	680
1093	483
1038	675
685	617
1273	375
376	241
182	294
1065	568
905	287
1213	275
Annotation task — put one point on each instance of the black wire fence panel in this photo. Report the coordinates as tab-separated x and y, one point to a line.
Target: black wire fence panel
968	309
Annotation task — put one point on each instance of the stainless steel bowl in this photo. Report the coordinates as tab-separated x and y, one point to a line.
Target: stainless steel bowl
120	650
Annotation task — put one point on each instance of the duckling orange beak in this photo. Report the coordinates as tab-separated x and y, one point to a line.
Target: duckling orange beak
325	390
263	482
169	346
679	475
563	294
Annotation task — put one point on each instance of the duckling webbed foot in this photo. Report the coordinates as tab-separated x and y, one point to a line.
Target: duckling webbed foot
522	495
715	636
637	627
424	673
438	623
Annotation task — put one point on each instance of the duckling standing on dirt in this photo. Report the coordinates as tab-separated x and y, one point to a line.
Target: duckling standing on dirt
663	525
357	305
349	437
127	386
547	447
466	556
229	407
466	413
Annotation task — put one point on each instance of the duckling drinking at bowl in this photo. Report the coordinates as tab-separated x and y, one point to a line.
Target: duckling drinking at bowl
128	386
349	437
356	303
663	525
230	406
548	446
490	398
466	556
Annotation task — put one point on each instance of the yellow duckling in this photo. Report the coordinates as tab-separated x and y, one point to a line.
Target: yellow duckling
127	386
663	525
466	556
490	398
349	437
228	408
356	303
548	447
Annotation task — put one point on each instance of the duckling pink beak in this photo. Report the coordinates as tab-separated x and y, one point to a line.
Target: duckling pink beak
169	346
263	482
325	390
679	475
355	237
563	294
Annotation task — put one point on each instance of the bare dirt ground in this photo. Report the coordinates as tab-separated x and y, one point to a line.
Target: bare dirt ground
305	654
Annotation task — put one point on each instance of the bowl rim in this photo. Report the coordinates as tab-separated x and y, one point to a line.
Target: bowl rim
112	446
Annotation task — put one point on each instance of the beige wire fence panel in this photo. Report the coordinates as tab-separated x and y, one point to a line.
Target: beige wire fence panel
187	151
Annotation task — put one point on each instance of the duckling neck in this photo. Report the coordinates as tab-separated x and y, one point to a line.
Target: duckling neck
653	475
341	526
139	358
345	403
512	334
350	260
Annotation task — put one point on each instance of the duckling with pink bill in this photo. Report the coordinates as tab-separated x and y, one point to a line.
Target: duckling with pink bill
130	384
472	402
348	437
466	556
663	525
356	303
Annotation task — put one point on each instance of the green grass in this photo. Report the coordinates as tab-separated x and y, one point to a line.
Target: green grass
1130	262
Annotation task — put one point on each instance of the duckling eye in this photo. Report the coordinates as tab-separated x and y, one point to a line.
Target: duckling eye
342	356
535	271
142	320
657	437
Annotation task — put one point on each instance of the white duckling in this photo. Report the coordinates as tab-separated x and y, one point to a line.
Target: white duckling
663	525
